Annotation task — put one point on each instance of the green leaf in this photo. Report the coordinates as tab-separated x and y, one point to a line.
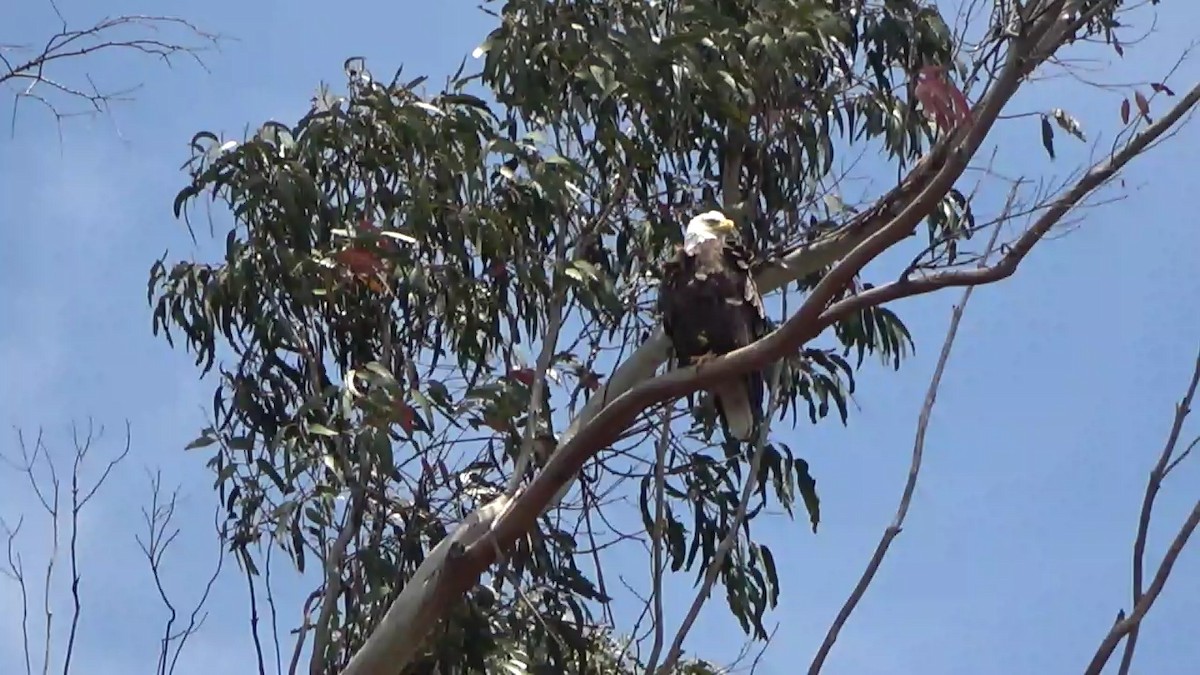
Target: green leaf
321	430
202	442
808	492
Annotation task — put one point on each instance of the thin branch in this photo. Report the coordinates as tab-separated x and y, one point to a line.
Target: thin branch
258	649
1123	627
195	619
48	490
302	632
16	572
333	579
271	605
731	536
554	322
158	519
660	481
1160	471
1093	179
53	560
914	470
68	44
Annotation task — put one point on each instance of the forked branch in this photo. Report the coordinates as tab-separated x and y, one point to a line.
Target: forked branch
1144	598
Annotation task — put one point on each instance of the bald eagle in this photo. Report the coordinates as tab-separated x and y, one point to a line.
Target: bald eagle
710	306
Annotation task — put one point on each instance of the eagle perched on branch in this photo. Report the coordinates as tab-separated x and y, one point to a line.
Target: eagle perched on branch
710	306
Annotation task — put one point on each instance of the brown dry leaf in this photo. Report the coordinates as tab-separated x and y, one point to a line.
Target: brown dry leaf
1161	88
1142	104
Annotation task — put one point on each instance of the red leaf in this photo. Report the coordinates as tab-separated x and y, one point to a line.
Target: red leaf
522	375
388	244
941	99
498	270
359	261
590	380
406	417
1125	111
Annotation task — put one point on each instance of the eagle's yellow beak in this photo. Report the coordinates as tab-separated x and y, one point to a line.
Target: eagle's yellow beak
726	226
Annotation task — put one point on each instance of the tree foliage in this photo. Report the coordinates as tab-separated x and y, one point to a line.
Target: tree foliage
416	289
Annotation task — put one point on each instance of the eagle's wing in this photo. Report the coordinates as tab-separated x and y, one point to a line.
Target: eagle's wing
668	286
741	404
739	259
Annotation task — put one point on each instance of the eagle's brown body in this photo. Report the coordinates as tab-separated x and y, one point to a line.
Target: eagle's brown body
710	305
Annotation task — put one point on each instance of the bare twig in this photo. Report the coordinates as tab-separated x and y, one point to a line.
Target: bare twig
32	75
47	489
1166	461
893	530
16	572
160	534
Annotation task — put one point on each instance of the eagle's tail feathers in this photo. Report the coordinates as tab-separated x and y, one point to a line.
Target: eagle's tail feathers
733	405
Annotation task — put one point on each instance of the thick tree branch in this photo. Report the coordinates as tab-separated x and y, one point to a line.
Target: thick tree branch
1096	177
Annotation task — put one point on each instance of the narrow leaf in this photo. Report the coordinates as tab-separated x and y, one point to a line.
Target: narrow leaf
1048	136
1143	105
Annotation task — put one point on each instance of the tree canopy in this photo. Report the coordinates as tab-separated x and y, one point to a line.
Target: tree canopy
436	305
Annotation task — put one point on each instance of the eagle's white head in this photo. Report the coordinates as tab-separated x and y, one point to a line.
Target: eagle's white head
712	226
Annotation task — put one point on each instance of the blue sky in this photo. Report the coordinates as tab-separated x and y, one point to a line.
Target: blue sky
1016	553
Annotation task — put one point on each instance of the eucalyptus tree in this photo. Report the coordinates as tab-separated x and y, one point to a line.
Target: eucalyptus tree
433	323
